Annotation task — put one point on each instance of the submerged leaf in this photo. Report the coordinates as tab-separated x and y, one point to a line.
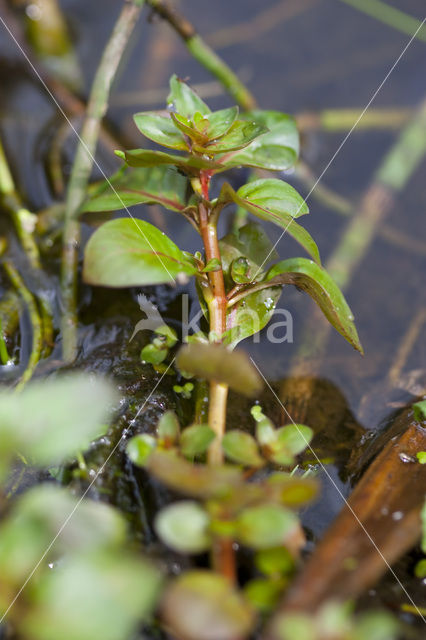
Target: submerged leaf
315	280
161	185
130	252
202	605
216	362
183	526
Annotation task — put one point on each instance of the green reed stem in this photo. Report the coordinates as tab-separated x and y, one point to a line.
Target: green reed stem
82	167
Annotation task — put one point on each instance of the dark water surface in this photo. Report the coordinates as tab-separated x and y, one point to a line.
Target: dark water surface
311	56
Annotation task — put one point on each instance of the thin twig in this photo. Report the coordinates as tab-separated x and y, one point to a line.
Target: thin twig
334	120
82	167
205	55
391	16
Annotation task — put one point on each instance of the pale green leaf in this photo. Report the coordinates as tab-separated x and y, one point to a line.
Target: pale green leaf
241	447
55	418
183	526
265	526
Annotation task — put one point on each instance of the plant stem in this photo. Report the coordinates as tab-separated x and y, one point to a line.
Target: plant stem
391	16
82	167
205	54
223	556
217	316
24	222
37	339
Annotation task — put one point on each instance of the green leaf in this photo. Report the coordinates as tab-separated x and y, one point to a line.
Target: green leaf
216	362
184	100
274	201
35	519
377	625
290	441
188	129
265	526
419	409
147	158
296	625
196	439
198	481
277	149
168	333
273	196
140	447
218	123
275	560
168	427
263	593
420	569
130	252
240	135
151	354
421	457
250	242
291	490
315	280
160	129
102	595
242	448
212	265
183	526
202	605
46	424
161	185
253	312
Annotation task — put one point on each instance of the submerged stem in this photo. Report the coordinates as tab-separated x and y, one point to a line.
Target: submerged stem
37	338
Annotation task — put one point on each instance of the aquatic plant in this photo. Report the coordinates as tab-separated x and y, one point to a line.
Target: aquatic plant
237	282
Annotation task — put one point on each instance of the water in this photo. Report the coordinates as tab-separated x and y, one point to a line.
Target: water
308	56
